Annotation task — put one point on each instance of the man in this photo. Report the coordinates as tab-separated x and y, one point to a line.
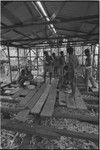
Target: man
73	65
88	70
47	65
61	67
22	78
55	64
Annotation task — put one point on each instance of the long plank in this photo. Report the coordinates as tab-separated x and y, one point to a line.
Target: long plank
47	131
36	97
49	105
18	93
37	108
25	92
70	101
70	114
80	104
27	99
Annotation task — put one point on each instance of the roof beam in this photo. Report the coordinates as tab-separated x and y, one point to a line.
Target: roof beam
39	39
63	29
78	18
61	20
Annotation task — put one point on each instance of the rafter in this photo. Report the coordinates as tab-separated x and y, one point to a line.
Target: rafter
63	29
63	20
39	39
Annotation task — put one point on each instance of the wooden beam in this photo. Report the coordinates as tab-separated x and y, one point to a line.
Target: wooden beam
47	132
78	18
65	29
62	20
72	114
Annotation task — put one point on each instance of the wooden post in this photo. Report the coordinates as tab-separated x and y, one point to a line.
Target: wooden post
18	60
30	59
9	64
37	60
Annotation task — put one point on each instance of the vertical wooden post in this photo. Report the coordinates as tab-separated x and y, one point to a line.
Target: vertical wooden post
9	64
18	60
37	60
82	55
30	59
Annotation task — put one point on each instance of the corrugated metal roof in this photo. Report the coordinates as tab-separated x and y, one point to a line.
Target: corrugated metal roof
21	22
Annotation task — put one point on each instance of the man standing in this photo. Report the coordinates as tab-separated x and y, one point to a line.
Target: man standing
47	65
73	65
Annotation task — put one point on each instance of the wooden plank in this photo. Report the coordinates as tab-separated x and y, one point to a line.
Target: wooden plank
70	101
18	93
15	90
80	104
25	92
25	101
49	105
36	97
62	98
37	108
47	131
70	114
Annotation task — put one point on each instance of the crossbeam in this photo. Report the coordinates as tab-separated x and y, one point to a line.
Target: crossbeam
47	39
60	20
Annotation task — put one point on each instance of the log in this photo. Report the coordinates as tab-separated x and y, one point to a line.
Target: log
46	131
72	115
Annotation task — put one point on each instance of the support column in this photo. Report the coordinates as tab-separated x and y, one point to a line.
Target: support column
18	60
37	60
9	64
30	59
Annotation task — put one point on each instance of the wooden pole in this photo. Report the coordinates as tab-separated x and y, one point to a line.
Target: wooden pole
18	60
30	59
9	63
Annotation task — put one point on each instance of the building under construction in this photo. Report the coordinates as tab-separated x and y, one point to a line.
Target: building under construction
48	101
